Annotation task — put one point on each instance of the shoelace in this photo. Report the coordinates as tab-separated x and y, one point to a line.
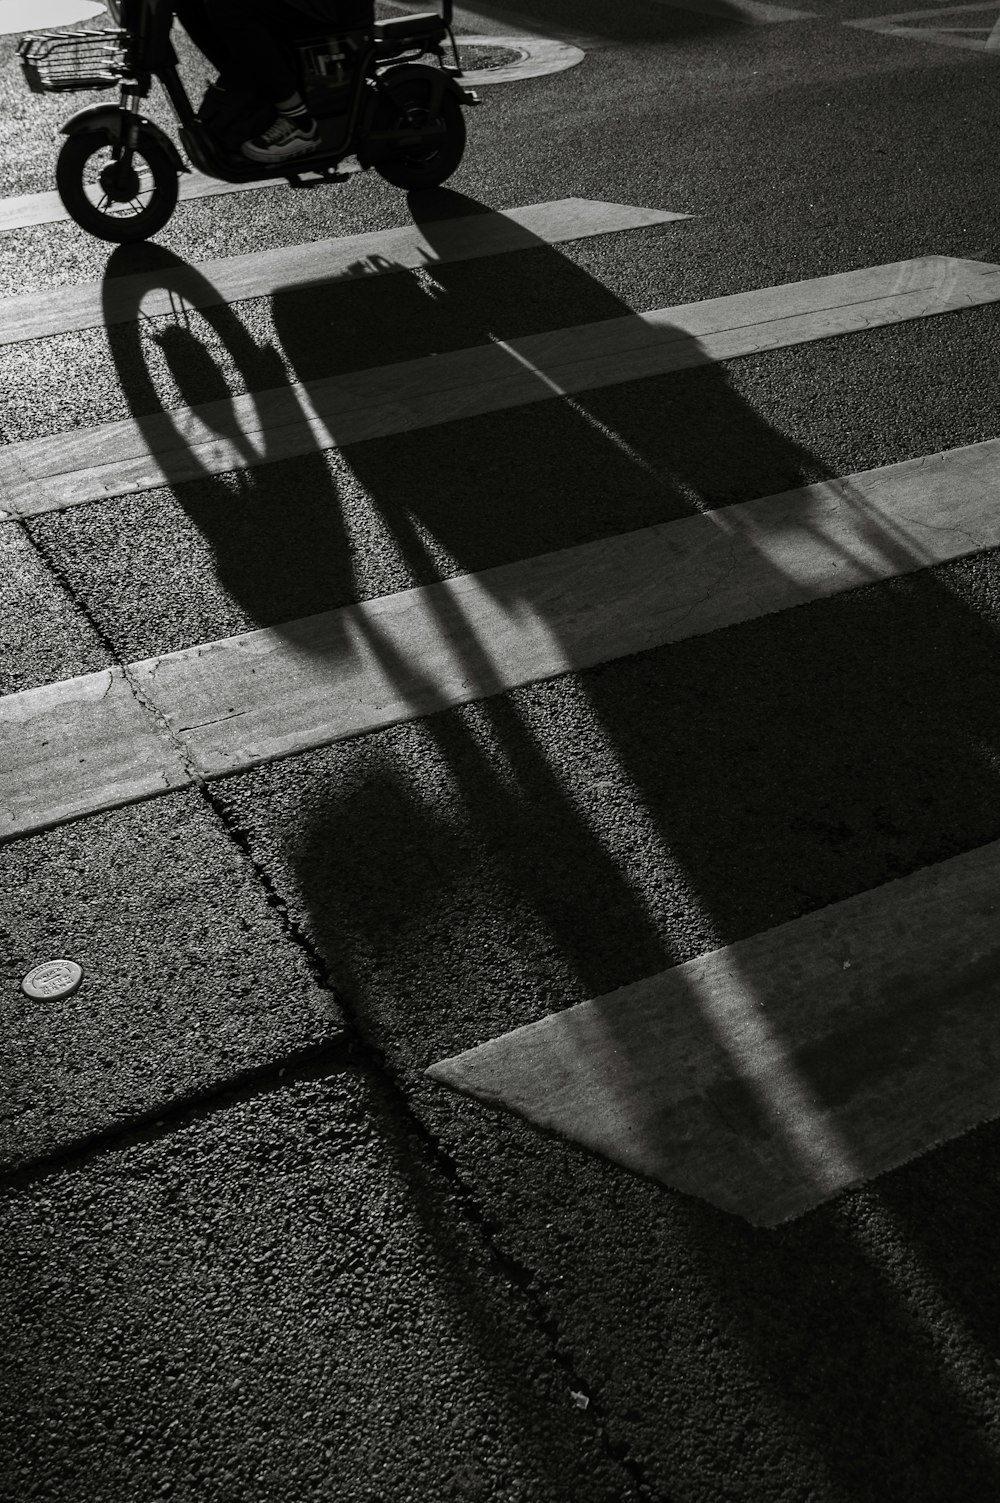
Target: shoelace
278	130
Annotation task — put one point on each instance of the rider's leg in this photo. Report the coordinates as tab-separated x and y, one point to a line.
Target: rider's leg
253	32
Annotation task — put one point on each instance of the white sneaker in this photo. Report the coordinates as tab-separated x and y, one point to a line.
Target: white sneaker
289	136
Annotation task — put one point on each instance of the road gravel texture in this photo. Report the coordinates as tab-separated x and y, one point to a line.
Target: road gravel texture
191	979
274	1299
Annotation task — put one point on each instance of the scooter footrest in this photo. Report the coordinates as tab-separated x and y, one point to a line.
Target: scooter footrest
318	176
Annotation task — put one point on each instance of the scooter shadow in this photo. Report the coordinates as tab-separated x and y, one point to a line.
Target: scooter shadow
378	496
345	376
464	872
375	496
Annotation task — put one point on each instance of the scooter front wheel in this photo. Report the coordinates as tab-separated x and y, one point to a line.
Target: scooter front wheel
112	197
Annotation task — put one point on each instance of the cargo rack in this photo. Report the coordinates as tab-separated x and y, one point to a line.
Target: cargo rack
57	61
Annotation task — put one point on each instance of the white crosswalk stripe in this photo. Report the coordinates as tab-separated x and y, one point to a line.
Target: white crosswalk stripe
109	738
770	1075
263	273
146	728
47	208
972	27
265	427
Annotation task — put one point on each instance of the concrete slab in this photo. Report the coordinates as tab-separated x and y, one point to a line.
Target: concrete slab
25	15
64	741
188	978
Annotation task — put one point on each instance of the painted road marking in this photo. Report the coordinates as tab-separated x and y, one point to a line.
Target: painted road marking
241	432
102	749
66	749
47	208
263	273
770	1075
747	12
935	26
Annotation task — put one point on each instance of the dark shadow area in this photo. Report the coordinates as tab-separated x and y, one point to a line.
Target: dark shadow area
632	21
944	1212
840	1348
470	870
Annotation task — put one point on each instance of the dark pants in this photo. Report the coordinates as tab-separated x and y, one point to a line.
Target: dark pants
244	39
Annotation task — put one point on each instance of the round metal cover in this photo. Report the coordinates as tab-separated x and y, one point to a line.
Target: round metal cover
52	980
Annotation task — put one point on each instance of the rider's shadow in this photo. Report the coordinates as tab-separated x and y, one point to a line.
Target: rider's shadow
502	844
286	544
541	828
549	476
330	528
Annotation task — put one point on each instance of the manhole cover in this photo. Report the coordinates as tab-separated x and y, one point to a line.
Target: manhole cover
476	58
52	980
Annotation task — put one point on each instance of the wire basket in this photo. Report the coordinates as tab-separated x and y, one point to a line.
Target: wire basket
53	61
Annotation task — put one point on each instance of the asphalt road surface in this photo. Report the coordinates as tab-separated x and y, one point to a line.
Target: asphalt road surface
535	892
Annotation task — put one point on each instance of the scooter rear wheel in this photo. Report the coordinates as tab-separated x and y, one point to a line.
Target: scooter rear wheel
422	166
112	202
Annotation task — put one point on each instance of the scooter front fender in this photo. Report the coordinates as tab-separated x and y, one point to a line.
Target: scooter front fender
437	80
110	120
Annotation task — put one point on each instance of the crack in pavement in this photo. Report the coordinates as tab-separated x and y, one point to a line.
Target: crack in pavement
352	1049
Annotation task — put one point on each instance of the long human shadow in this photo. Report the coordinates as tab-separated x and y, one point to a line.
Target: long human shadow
449	507
523	817
480	832
277	570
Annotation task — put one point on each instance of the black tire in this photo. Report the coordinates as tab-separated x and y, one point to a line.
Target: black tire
118	222
424	166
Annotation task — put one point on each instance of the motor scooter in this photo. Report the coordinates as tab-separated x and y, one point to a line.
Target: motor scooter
373	97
